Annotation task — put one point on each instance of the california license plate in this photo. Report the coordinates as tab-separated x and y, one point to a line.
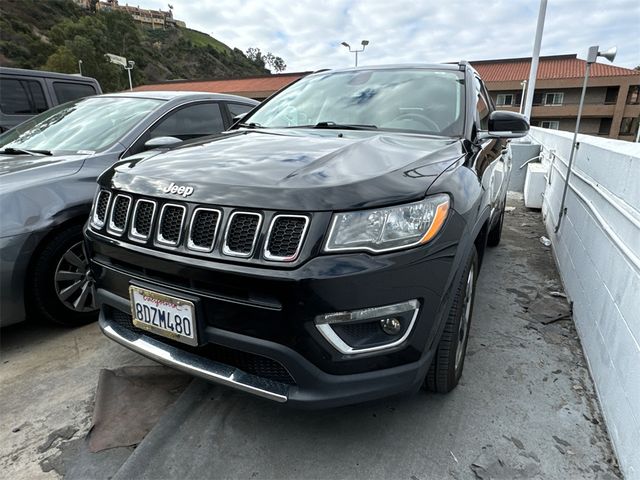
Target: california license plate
164	315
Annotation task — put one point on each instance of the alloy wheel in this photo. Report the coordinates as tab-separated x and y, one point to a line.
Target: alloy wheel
463	331
73	280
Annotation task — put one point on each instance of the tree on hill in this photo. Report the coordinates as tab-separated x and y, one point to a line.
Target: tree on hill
266	60
56	34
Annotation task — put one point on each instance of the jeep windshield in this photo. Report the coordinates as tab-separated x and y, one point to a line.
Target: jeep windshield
415	100
84	126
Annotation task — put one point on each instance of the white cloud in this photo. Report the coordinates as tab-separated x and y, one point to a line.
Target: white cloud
308	33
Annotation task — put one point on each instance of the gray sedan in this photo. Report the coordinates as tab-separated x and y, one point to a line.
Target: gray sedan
48	168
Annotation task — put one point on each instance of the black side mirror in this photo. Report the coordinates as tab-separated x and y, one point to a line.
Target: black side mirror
503	124
161	142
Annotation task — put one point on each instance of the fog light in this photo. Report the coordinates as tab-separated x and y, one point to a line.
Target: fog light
370	329
390	326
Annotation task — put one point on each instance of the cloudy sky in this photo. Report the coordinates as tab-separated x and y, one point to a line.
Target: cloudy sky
307	33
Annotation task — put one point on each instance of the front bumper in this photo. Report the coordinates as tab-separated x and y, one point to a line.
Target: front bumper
270	312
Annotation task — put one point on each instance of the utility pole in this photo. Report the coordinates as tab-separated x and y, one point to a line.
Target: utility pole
534	59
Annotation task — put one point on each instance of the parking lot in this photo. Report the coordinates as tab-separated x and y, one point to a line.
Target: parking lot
526	406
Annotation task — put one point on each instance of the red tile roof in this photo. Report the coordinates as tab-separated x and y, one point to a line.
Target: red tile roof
267	84
510	69
549	68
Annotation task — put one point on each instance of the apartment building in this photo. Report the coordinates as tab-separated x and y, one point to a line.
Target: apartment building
612	100
144	16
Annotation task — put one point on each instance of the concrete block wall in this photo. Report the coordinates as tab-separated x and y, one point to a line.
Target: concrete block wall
597	250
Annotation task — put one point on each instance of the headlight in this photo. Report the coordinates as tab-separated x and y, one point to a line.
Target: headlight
389	228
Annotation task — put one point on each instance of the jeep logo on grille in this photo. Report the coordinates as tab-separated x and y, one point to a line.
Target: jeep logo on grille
178	190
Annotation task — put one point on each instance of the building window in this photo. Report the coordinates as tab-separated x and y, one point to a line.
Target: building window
633	98
552	124
605	126
504	99
629	125
611	96
553	98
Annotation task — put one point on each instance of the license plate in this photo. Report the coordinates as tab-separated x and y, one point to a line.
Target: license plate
164	315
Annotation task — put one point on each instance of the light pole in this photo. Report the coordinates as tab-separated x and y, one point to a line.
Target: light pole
524	88
80	66
592	56
364	44
533	72
128	68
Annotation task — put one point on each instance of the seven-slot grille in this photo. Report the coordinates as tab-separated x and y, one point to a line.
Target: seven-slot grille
170	228
285	237
242	233
119	214
166	223
142	219
204	226
100	209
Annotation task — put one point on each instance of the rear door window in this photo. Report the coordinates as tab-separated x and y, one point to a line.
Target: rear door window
67	91
190	122
238	108
21	97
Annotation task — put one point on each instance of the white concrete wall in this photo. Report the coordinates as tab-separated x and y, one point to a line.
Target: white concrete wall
597	249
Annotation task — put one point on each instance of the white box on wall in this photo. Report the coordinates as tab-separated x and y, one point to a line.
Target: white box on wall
534	185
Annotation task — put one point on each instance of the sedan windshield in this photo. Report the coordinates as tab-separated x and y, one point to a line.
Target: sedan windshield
86	126
417	100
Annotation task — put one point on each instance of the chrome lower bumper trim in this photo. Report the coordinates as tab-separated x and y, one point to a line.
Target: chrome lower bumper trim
193	364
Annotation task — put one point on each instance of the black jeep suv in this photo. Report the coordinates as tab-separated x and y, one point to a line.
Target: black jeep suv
325	250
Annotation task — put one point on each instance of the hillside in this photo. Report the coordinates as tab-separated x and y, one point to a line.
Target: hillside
54	34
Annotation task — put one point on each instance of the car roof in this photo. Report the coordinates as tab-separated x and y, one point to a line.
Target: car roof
180	95
45	74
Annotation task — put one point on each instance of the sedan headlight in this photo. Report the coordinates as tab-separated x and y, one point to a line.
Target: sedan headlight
389	228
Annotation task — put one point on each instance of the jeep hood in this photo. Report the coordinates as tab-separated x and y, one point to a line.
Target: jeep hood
302	169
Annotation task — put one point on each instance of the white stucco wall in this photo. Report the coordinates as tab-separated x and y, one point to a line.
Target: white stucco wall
597	249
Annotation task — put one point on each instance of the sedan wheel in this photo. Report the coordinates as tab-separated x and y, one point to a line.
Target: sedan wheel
73	281
60	287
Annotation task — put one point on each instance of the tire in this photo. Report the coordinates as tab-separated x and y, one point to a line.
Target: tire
61	289
495	234
448	362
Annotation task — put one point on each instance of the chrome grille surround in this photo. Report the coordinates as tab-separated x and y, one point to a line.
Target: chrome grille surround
290	258
160	239
134	234
191	245
225	247
111	226
96	221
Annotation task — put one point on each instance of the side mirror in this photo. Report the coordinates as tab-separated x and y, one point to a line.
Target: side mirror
503	124
160	142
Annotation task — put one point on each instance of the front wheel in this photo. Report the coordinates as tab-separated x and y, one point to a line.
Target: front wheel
446	366
61	289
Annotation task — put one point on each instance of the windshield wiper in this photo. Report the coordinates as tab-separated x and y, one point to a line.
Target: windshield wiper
19	151
339	126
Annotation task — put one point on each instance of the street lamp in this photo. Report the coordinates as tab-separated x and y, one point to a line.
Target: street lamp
594	53
522	101
80	66
364	44
128	68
